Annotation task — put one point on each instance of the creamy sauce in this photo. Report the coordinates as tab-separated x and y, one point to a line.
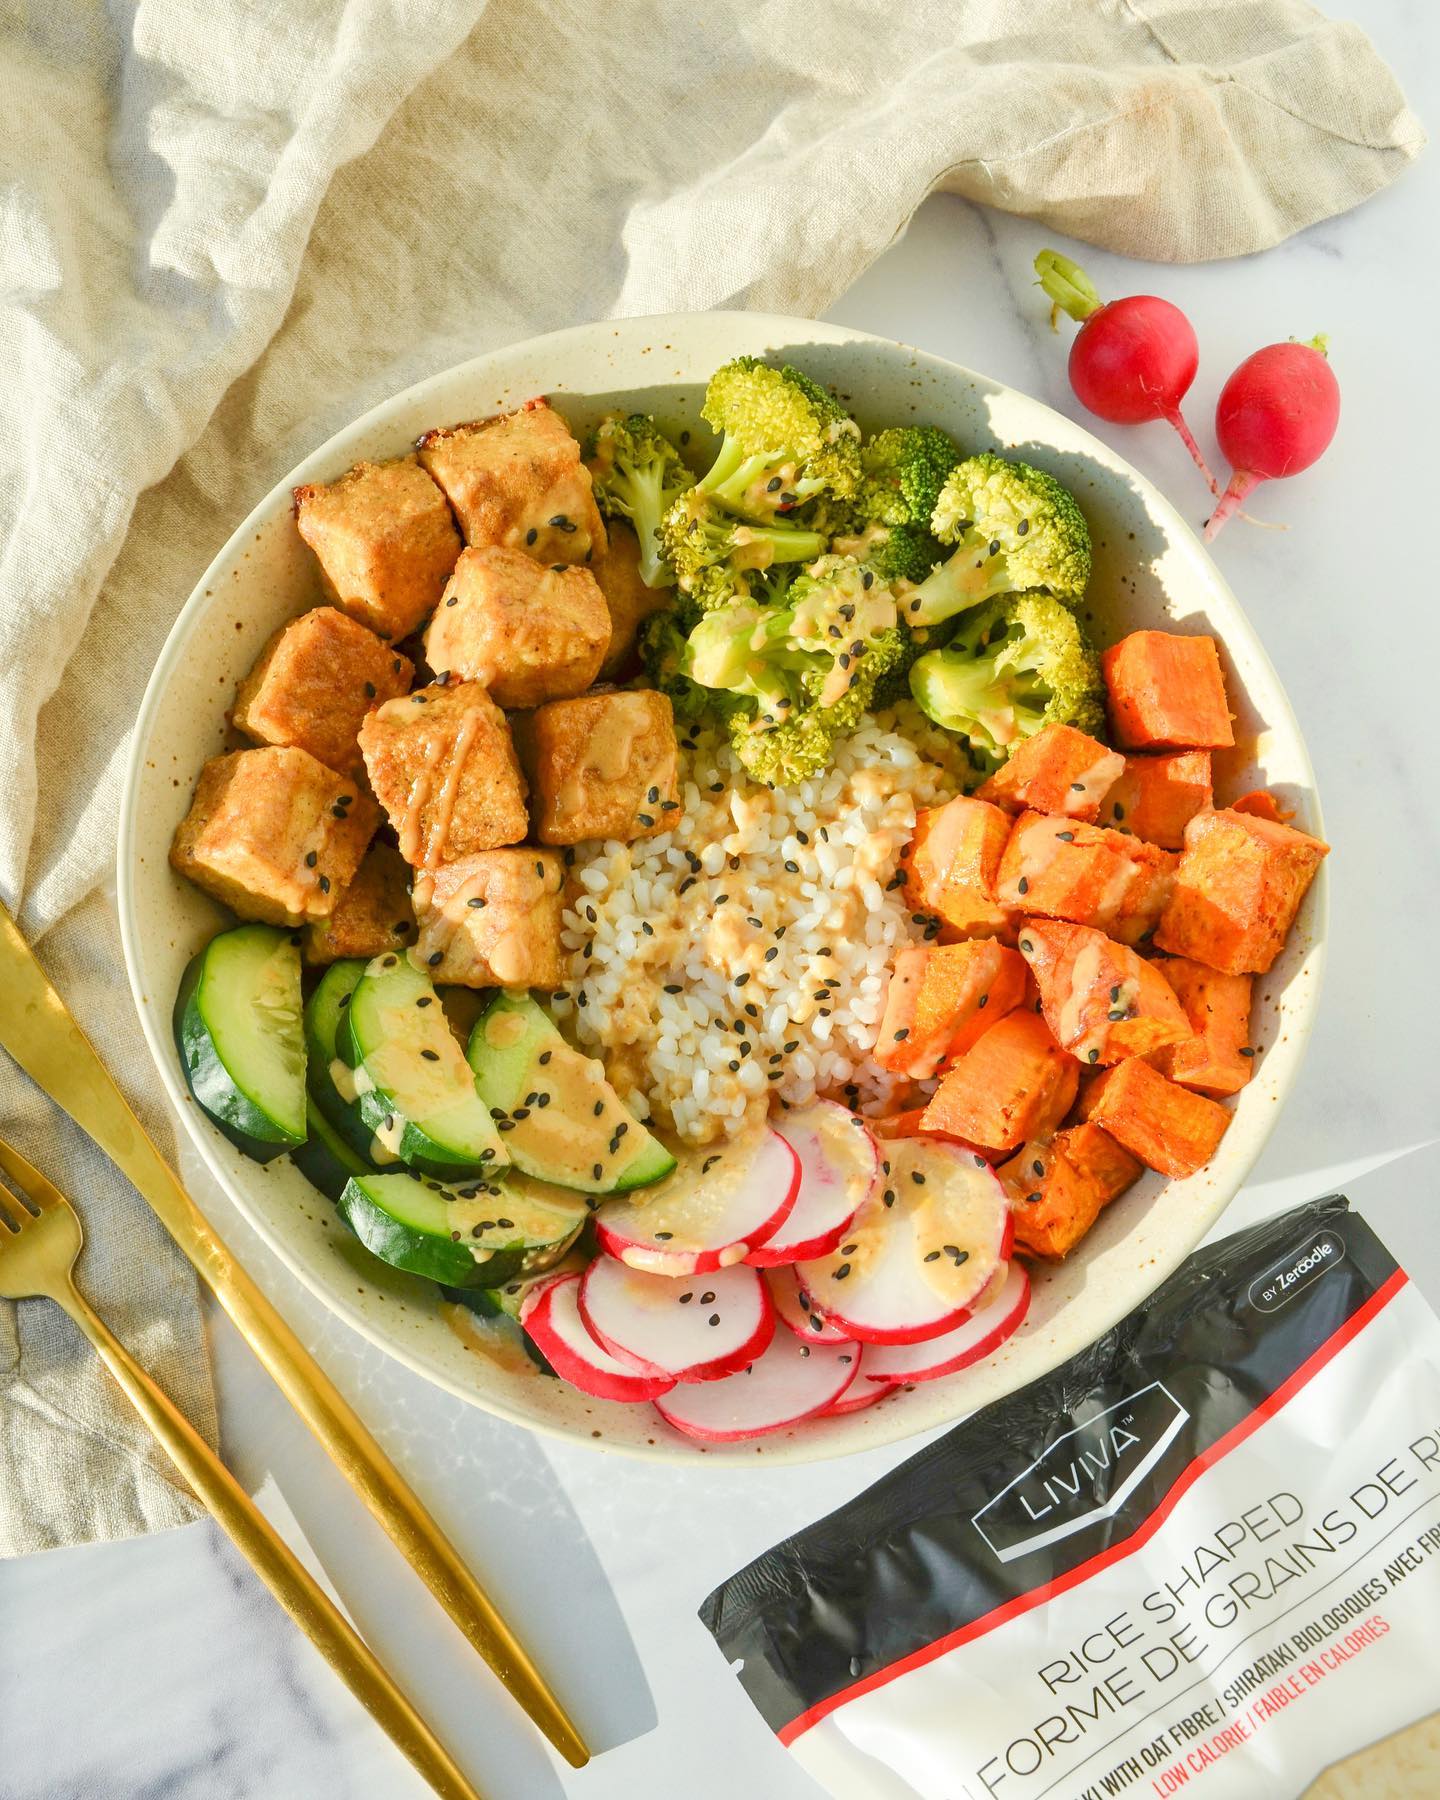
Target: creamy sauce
494	939
574	1130
1084	975
704	1193
1099	778
504	1030
607	756
494	1339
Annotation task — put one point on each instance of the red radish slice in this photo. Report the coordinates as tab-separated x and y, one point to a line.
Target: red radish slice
839	1169
919	1253
859	1394
985	1330
550	1315
711	1212
790	1382
798	1310
696	1328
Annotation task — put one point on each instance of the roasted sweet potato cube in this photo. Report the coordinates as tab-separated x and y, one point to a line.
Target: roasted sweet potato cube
518	481
373	914
274	834
950	867
1158	796
527	631
385	540
315	681
1217	1057
442	765
1058	1189
1101	1000
1063	869
1059	770
492	919
1237	890
1166	1126
1004	1087
629	601
1263	804
1167	692
909	1124
601	766
941	998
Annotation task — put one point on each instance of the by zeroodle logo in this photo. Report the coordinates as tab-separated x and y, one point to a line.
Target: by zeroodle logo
1086	1475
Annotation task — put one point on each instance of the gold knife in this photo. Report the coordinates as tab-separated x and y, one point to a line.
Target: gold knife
37	1029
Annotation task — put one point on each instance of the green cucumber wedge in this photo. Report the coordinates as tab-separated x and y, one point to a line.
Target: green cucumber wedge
239	1033
563	1122
331	1081
465	1237
505	1301
325	1160
413	1086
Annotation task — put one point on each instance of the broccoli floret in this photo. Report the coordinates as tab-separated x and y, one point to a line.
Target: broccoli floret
637	474
699	535
781	755
908	553
1012	666
661	643
905	469
1014	528
785	441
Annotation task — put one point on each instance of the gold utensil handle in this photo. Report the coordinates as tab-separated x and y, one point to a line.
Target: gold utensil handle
37	1029
272	1558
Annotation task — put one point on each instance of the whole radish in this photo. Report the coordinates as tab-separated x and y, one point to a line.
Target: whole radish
1133	360
1275	416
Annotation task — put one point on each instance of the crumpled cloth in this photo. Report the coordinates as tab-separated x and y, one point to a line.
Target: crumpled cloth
231	225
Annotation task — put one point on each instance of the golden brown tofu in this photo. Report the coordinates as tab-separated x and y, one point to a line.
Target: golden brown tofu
602	766
274	834
518	481
315	681
373	914
385	540
492	920
442	765
629	600
526	631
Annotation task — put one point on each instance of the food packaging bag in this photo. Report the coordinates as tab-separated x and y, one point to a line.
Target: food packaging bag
1202	1556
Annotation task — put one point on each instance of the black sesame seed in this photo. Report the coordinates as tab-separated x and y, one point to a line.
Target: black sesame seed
687	1297
708	1164
792	1046
431	1055
1115	1014
902	1034
714	1318
792	868
435	959
917	1178
1024	884
311	859
707	1298
1246	1050
1092	1056
1066	837
1030	1199
345	1001
932	1256
771	954
889	1196
740	980
774	485
475	902
1077	787
1025	944
842	1272
424	1000
598	1170
982	1003
720	899
663	1237
646	819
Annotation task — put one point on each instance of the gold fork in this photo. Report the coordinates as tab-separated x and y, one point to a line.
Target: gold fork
40	1239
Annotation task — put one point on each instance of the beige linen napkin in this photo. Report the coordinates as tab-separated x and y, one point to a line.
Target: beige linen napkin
230	226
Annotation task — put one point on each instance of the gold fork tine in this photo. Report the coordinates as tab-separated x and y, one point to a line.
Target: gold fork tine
26	1179
7	1200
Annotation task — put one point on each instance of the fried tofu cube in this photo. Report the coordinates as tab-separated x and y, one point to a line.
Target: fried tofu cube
951	864
373	914
1059	770
385	541
443	766
1166	1126
1101	1000
1167	692
628	599
527	632
493	919
1217	1057
518	481
315	681
1085	874
941	998
1158	796
1015	1082
1057	1190
601	766
1237	890
274	834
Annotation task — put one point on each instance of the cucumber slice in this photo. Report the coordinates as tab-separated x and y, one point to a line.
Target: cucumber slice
466	1237
239	1033
563	1122
332	1082
325	1160
505	1301
413	1086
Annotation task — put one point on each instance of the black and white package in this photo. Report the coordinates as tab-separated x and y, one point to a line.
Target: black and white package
1201	1556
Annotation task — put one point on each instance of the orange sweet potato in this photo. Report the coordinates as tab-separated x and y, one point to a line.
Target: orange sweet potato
1057	1190
1158	796
1102	1002
1263	804
908	1125
1059	770
1237	890
1166	1126
950	865
1064	869
1217	1057
1004	1086
940	999
1167	692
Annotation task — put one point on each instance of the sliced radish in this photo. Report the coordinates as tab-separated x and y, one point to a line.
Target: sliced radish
983	1331
712	1212
696	1328
920	1252
790	1382
839	1169
798	1310
859	1394
550	1315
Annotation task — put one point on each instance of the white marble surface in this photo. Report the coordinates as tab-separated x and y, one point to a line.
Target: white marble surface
160	1669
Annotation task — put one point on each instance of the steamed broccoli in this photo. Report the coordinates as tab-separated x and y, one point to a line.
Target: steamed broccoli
637	473
1013	665
698	536
661	643
905	470
1014	528
784	440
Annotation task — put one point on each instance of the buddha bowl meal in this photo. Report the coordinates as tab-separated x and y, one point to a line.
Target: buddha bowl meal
718	916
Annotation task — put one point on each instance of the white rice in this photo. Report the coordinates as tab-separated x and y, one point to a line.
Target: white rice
772	925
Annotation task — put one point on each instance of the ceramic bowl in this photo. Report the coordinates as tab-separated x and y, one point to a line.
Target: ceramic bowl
1150	570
